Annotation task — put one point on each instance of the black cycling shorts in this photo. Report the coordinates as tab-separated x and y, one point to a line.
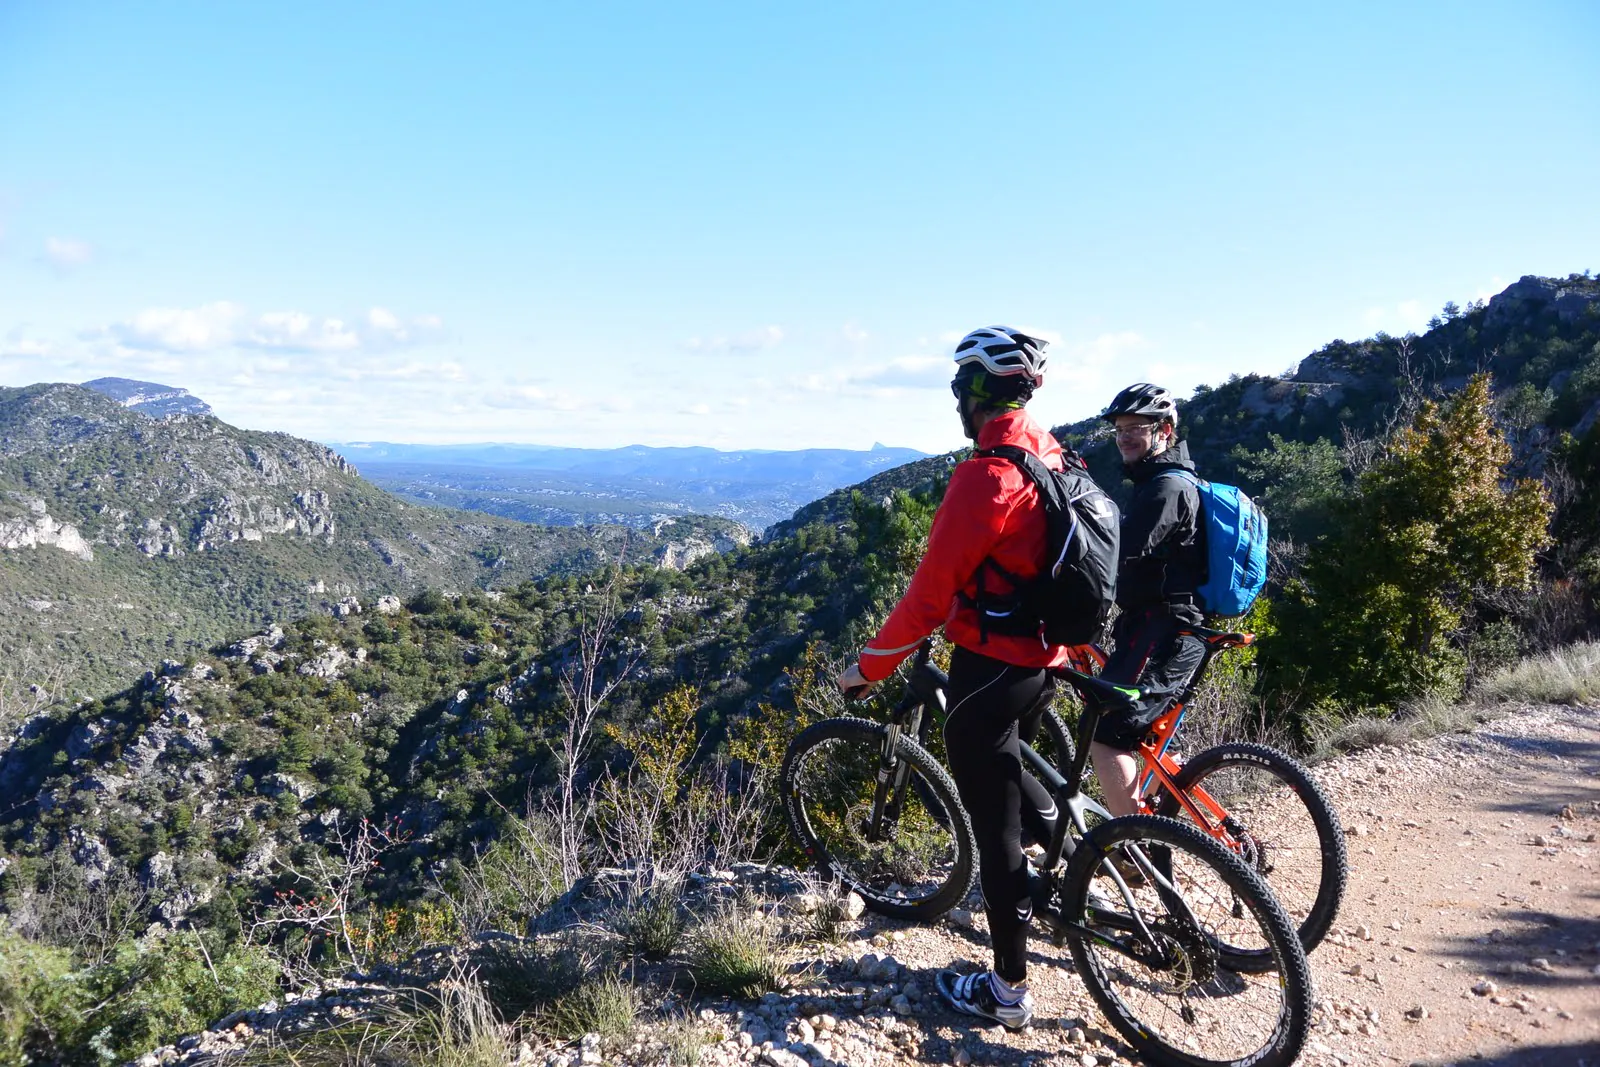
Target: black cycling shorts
1153	658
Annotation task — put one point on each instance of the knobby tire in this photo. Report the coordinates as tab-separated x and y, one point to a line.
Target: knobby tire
1190	1010
827	785
1312	911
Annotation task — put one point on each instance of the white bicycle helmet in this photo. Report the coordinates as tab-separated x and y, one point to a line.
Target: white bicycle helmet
1003	352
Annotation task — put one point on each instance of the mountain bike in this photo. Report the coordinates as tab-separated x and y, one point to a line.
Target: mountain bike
1258	802
1155	911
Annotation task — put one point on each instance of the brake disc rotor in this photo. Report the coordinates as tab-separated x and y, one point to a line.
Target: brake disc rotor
1192	958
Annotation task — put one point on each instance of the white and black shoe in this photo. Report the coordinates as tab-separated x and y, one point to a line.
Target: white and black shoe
974	994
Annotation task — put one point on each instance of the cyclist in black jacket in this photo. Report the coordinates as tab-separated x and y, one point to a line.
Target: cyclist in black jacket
1163	564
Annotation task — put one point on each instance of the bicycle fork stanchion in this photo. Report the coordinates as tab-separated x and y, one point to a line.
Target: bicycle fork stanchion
891	780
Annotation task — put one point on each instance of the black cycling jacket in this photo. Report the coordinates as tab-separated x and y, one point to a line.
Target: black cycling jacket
1163	559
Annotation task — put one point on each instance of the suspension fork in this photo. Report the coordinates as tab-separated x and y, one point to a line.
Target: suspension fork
889	790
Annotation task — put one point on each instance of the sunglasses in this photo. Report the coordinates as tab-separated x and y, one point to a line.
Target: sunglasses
1132	433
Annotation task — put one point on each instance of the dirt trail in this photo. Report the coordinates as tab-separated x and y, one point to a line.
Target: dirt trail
1474	895
1470	933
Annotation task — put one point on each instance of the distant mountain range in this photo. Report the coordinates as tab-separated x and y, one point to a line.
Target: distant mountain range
635	486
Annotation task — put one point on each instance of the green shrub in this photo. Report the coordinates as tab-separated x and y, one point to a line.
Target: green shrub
42	1002
607	1006
653	925
1431	524
736	951
167	988
151	993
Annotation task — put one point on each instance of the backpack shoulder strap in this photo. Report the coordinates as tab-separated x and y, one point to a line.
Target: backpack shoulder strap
1034	469
1190	476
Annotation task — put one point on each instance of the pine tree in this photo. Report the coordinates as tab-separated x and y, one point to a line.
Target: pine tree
1430	525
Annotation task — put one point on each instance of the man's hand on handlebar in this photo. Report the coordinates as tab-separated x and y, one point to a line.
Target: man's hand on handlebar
853	684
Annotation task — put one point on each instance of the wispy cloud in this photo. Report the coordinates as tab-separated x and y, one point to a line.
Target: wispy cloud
739	343
295	331
201	329
67	253
411	371
530	398
17	345
906	372
1100	350
224	324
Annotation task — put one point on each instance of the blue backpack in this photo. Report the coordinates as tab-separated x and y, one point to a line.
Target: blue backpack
1236	547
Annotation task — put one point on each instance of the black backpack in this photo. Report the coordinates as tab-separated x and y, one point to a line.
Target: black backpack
1070	601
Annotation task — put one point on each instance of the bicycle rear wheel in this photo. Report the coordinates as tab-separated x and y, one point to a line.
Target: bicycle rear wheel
905	843
1280	823
1171	995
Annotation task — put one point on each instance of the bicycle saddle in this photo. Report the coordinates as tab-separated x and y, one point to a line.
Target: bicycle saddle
1219	638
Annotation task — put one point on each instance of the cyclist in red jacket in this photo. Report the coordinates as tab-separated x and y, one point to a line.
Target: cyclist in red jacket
999	685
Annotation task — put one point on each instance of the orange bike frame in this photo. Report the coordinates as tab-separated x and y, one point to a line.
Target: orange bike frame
1201	806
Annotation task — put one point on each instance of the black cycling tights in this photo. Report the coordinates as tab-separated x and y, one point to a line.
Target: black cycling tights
993	706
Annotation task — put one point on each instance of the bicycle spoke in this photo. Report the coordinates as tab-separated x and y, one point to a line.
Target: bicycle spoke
1271	831
1181	992
905	858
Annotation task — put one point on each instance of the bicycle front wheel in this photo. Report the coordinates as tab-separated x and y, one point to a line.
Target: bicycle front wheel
1152	963
887	825
1264	806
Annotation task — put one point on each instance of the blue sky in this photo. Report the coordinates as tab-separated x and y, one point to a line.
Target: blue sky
752	225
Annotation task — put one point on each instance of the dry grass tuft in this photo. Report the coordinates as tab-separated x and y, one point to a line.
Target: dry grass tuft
737	950
1569	675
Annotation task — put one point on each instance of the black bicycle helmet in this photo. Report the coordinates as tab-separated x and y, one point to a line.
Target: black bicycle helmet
1142	398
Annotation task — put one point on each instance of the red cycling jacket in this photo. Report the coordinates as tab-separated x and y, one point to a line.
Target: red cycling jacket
990	511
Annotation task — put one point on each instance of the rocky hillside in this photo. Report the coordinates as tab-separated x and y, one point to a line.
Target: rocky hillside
150	398
126	537
1507	981
1539	339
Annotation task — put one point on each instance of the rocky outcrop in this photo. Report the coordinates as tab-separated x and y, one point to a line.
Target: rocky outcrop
1277	399
150	398
237	517
39	527
1570	298
680	554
